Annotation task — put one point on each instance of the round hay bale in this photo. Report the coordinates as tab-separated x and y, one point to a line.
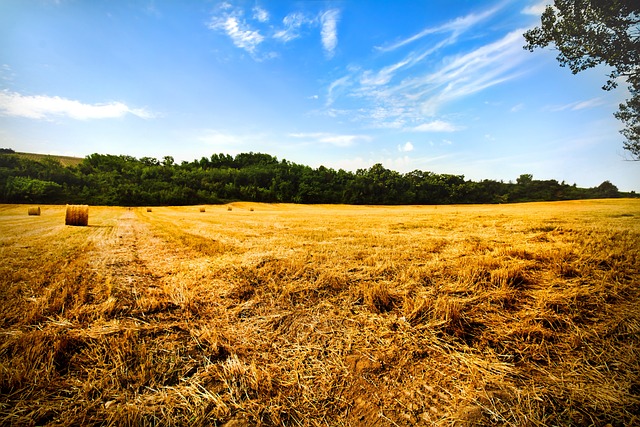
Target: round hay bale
148	209
34	210
77	215
229	208
202	209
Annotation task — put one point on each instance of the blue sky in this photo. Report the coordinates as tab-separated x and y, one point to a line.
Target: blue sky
433	85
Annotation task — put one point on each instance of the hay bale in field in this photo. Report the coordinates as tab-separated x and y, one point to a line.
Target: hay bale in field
148	209
202	209
34	210
229	208
77	215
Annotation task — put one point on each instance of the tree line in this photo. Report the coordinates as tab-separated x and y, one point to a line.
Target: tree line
103	179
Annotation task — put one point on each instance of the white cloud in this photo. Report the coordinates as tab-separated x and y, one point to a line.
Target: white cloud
436	126
329	32
6	73
336	87
456	27
330	138
517	107
477	70
251	29
536	9
260	14
43	107
383	76
402	92
408	146
238	31
579	105
293	23
591	103
458	77
220	138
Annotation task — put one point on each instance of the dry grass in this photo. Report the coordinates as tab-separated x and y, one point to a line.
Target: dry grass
323	315
77	215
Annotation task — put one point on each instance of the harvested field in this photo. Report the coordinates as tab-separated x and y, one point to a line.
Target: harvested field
508	315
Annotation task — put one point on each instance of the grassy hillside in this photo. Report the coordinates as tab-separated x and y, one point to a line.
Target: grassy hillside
297	315
64	160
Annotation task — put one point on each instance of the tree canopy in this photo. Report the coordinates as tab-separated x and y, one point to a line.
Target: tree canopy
588	33
126	181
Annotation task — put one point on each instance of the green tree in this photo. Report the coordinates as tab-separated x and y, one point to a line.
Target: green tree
22	189
524	179
607	189
592	32
168	161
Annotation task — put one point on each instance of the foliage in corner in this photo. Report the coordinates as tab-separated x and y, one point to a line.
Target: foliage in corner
588	33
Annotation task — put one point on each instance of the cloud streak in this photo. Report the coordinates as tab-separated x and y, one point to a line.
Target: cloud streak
238	31
45	107
536	9
455	27
396	96
329	32
436	126
338	140
579	105
293	24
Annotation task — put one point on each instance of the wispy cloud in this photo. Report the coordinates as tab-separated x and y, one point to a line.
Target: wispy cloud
436	126
6	73
453	30
293	24
46	107
578	105
467	74
329	32
455	27
221	139
232	23
383	76
252	30
336	88
338	140
591	103
537	8
260	14
407	91
396	97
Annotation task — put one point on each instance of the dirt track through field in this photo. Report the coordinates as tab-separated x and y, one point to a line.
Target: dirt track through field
135	264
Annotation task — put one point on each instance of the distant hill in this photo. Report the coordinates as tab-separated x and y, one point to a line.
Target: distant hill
64	160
